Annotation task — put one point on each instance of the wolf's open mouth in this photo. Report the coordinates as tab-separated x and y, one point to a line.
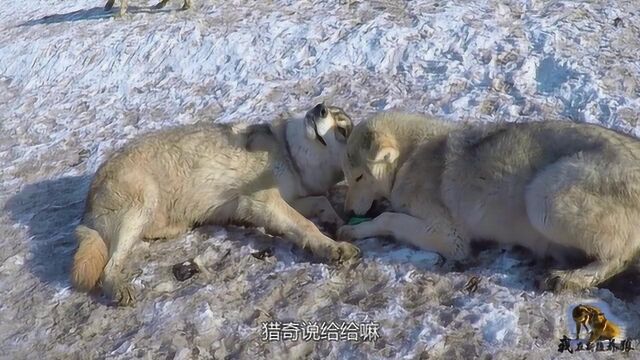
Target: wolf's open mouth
318	136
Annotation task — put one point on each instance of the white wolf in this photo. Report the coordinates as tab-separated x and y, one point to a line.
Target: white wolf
167	182
556	188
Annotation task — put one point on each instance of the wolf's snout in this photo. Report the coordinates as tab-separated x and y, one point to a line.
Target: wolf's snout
375	210
350	214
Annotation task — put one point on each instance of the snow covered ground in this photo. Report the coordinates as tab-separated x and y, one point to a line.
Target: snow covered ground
75	83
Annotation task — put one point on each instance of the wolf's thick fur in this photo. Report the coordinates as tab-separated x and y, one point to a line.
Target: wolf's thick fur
553	187
169	181
124	4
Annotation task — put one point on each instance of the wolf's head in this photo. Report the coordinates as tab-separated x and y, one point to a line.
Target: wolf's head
369	165
317	143
581	314
329	126
377	149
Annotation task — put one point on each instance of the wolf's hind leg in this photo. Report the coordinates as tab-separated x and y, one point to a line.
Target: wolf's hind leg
574	208
114	283
164	232
436	234
161	226
268	209
591	275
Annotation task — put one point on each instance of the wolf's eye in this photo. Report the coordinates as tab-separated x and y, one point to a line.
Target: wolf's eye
359	178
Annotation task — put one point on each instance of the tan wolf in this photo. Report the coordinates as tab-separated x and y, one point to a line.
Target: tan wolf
124	4
557	188
166	182
601	327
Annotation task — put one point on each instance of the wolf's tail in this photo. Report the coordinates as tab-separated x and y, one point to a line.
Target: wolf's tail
614	330
89	260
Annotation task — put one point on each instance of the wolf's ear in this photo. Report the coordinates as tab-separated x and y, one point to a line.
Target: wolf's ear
382	149
383	156
386	154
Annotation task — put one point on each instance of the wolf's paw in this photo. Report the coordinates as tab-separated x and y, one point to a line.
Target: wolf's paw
124	295
186	6
343	251
346	233
119	292
158	6
559	281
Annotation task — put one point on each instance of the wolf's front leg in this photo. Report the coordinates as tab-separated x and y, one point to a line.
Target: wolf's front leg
268	209
114	280
320	207
436	234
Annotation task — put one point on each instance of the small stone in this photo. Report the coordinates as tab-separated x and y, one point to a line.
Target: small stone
185	270
262	254
617	22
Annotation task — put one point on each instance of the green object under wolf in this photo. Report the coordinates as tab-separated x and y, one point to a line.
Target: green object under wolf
358	220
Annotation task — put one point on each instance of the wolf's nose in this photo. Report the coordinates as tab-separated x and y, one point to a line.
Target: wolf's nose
320	110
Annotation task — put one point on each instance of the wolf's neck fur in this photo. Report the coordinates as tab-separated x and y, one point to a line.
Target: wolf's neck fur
318	163
409	137
313	164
